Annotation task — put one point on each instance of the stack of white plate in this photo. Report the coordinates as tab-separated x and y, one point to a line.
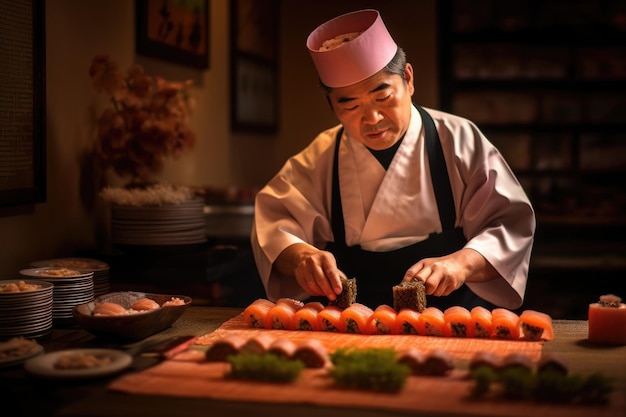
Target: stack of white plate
101	282
68	291
26	313
170	224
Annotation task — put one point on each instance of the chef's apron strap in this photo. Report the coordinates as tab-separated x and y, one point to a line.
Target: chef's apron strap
438	172
336	216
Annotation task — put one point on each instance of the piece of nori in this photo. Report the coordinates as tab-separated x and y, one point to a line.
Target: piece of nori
348	294
410	294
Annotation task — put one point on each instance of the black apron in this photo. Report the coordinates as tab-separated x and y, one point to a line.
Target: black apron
377	272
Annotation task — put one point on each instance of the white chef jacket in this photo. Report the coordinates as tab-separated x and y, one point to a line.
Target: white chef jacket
390	209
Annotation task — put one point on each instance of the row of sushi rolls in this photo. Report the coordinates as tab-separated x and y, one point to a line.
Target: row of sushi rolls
357	318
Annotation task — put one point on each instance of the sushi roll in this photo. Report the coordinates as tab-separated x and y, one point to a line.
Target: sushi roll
432	323
312	353
224	347
329	319
383	320
282	347
413	358
482	320
407	321
536	325
281	316
347	297
306	317
505	324
409	294
255	314
355	319
459	321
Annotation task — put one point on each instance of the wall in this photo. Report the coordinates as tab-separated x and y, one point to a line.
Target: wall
72	218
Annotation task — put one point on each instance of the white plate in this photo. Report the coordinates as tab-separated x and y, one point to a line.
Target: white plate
14	360
44	365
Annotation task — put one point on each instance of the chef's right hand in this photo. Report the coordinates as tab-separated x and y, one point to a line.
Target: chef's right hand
315	270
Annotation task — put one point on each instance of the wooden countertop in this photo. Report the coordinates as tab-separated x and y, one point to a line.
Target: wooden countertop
29	395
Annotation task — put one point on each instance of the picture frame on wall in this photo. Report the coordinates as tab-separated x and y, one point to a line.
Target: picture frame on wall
23	107
254	65
176	31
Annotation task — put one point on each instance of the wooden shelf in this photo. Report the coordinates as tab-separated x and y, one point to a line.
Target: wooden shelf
545	80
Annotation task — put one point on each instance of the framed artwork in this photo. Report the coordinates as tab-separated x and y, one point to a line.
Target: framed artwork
22	104
254	65
173	30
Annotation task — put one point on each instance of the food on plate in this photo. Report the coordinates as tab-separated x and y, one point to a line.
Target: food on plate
282	347
459	320
257	344
438	362
81	360
431	322
306	317
61	272
505	324
347	297
255	314
485	359
224	347
281	315
410	294
174	301
312	353
329	319
19	286
355	318
17	347
482	321
607	321
382	320
413	358
145	304
109	309
407	321
536	325
375	369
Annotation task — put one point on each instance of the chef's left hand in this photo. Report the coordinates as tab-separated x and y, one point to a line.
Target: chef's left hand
447	273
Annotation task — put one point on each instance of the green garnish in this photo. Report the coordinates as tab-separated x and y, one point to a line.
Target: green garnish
265	367
549	386
370	369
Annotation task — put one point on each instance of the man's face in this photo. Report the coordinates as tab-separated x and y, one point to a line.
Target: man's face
375	111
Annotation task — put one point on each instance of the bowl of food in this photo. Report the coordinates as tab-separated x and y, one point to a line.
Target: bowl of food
130	315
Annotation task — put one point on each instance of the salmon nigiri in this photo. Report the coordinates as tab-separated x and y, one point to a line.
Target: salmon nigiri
354	319
407	321
482	321
281	315
505	324
255	314
383	320
536	325
306	317
459	321
329	319
432	323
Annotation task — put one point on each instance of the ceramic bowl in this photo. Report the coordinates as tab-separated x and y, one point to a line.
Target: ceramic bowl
133	325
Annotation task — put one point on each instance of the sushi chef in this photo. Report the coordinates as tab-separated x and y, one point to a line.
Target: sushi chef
394	192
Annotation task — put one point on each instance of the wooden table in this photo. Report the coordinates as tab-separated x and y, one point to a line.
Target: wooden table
34	396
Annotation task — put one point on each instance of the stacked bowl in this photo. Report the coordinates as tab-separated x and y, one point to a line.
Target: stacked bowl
101	284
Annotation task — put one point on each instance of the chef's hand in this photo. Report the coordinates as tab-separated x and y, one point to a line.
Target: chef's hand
314	269
445	274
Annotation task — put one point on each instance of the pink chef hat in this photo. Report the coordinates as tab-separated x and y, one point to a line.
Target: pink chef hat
360	46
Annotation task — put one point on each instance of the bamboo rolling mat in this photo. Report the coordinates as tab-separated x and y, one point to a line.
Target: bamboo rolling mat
186	376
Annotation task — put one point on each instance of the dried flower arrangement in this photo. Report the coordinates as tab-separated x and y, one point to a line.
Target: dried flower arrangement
147	122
